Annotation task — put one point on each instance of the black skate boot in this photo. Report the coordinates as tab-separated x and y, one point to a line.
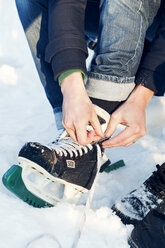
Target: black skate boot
150	232
62	170
13	181
135	206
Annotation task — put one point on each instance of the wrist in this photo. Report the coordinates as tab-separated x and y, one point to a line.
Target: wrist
141	96
66	73
73	83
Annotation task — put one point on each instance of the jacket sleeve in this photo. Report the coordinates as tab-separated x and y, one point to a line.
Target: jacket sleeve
66	47
151	73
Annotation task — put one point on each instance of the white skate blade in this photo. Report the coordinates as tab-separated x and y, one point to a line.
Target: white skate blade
47	187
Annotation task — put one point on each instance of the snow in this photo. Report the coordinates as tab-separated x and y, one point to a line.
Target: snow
25	115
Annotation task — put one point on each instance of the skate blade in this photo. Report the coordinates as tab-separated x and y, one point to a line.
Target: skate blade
47	187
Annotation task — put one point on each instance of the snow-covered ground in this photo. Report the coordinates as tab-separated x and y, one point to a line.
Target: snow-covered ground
25	115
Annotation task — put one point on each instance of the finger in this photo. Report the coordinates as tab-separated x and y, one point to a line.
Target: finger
129	144
90	136
95	139
81	134
70	131
119	140
123	138
96	125
131	140
72	134
113	123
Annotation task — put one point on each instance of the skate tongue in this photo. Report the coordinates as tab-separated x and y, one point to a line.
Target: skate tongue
44	240
103	116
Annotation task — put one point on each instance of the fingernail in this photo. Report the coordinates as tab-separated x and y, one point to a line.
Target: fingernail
107	136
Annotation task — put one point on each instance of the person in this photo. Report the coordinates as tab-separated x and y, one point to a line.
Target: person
55	32
117	30
56	35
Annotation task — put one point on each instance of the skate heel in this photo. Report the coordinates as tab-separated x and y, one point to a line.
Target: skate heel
12	180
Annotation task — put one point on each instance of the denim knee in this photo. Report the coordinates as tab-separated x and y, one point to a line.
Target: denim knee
123	25
122	31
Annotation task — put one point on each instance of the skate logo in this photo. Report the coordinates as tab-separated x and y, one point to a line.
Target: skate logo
70	164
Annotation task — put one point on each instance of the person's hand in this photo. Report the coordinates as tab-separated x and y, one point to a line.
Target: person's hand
132	115
78	111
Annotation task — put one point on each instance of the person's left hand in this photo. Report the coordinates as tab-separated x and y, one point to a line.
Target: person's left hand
132	115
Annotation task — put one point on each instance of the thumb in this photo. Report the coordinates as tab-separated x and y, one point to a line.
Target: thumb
96	125
113	123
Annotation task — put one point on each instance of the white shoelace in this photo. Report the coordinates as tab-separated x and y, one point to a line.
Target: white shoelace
67	145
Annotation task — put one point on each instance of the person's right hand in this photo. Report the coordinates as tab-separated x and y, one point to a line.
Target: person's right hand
78	111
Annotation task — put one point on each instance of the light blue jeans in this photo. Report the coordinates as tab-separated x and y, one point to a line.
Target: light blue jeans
116	32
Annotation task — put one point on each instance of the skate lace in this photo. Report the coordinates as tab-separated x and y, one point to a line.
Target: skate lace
67	146
157	181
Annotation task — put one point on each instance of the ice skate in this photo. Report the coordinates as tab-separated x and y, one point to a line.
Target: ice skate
60	171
